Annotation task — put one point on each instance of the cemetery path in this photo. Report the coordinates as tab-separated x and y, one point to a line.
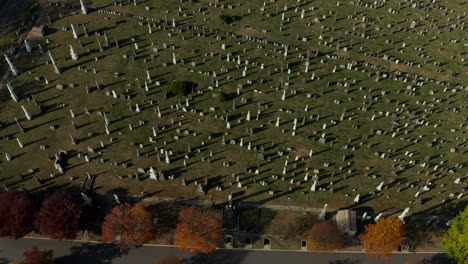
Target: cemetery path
246	205
256	205
71	252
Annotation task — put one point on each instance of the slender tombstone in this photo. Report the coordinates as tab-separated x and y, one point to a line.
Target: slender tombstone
99	43
27	45
75	35
26	113
73	53
323	212
12	92
56	67
84	10
12	67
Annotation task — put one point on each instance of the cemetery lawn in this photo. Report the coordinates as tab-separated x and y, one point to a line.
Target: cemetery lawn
379	125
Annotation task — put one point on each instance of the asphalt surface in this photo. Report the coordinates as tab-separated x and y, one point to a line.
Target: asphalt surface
70	252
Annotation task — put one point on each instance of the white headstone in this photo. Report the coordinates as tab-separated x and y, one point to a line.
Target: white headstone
84	10
73	53
12	67
26	113
12	92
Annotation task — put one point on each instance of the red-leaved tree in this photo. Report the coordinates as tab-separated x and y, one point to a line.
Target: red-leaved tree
60	216
128	225
199	229
16	213
36	256
324	236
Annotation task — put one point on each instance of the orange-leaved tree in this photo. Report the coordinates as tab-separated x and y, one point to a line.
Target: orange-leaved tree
324	236
128	225
199	229
383	237
168	260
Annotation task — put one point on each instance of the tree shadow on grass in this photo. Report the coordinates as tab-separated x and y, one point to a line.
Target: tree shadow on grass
219	256
91	254
449	208
442	258
4	260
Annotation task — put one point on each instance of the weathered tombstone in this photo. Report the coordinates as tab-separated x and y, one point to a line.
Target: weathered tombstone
84	10
12	93
56	67
73	53
26	113
12	67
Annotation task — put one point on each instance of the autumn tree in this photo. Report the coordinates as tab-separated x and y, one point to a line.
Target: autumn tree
60	216
128	225
168	260
17	210
324	236
36	256
199	229
455	240
383	237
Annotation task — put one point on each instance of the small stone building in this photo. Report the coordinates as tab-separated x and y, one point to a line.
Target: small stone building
346	221
37	32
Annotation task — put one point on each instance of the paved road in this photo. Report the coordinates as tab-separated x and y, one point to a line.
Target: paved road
70	252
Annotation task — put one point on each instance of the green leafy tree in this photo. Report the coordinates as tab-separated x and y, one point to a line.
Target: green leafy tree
455	240
222	96
181	88
225	18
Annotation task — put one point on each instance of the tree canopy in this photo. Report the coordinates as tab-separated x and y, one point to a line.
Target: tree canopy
383	237
181	88
60	216
128	225
324	236
455	240
199	229
17	210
